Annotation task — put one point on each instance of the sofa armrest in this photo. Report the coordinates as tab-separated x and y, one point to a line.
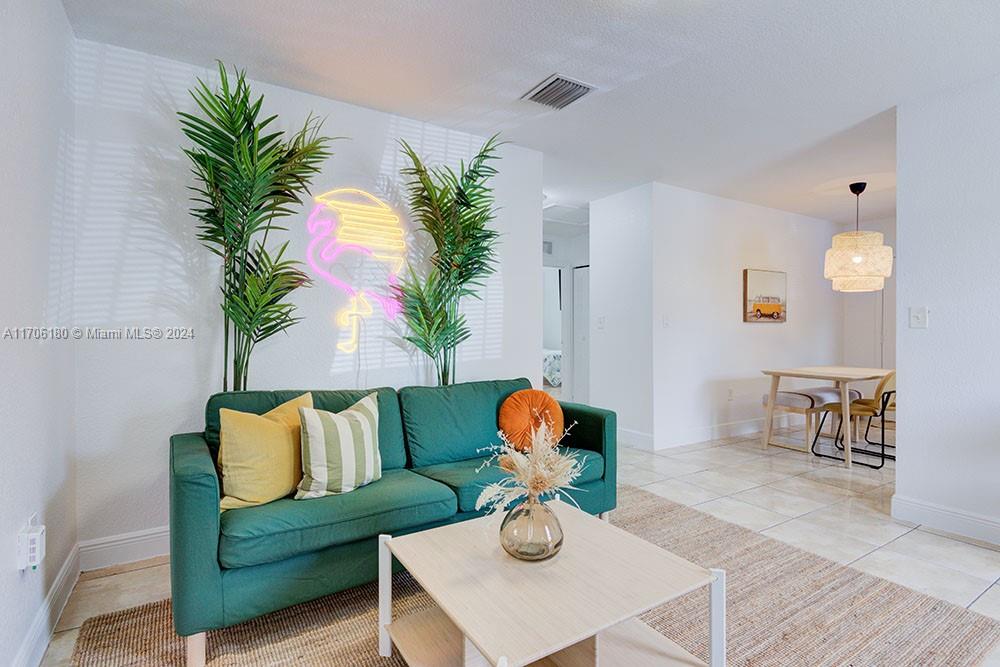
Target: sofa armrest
195	573
596	430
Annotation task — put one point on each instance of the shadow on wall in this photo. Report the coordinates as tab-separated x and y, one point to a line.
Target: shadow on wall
134	259
50	364
381	343
136	262
137	259
126	255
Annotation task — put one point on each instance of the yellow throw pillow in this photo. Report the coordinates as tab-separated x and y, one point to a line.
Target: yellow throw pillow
260	455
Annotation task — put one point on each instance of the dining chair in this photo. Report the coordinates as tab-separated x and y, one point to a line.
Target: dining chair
807	401
883	402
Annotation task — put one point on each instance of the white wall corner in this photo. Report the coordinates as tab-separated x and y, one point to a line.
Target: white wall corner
748	428
636	439
947	519
36	641
124	548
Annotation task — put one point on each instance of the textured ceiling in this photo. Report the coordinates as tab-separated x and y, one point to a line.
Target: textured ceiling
566	221
777	103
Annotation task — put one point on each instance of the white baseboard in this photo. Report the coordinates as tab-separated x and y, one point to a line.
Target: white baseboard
745	427
637	439
947	519
124	548
641	440
39	633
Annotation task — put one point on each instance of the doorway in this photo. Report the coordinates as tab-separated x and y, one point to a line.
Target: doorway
581	334
552	331
565	258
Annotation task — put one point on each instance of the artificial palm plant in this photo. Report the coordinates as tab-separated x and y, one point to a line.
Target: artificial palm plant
247	177
455	209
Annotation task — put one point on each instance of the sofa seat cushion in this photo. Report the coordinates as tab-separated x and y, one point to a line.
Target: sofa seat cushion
461	476
400	500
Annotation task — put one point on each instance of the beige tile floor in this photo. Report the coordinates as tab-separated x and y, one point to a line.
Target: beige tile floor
814	504
820	506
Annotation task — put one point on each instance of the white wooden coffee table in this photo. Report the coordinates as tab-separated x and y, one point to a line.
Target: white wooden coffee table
578	608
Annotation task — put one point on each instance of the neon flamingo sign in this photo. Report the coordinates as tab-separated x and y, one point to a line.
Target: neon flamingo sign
352	220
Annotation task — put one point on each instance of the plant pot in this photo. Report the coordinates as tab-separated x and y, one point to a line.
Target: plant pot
531	531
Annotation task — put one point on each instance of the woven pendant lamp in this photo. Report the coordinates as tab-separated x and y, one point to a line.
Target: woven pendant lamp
858	261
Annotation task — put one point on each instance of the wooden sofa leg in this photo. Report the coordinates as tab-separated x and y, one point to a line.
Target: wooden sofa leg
604	516
194	646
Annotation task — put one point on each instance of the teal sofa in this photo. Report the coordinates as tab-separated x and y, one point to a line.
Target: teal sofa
229	567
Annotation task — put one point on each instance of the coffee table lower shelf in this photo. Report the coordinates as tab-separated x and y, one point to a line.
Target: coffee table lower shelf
430	639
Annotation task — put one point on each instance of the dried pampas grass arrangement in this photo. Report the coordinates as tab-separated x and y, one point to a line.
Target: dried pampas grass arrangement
543	469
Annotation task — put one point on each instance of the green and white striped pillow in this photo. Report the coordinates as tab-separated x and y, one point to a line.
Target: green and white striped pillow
339	449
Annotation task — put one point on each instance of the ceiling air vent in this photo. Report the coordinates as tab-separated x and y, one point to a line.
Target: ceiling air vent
557	92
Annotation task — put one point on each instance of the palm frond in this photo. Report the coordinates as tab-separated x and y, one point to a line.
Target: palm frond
435	326
247	176
455	209
254	302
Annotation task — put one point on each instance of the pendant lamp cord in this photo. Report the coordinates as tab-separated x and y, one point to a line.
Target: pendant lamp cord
857	213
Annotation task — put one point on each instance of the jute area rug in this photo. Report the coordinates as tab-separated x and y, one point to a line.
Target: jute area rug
785	607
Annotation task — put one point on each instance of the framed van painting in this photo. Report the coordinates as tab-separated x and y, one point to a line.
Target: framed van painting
765	296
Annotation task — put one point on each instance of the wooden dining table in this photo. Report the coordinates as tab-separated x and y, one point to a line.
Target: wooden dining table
841	376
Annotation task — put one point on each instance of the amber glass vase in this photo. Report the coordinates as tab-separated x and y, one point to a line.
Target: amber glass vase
531	531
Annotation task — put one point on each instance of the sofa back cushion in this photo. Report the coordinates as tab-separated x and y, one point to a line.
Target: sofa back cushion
452	423
390	428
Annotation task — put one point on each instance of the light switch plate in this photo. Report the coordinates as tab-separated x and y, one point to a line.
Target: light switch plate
919	317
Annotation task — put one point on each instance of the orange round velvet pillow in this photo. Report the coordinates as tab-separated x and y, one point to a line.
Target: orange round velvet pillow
522	413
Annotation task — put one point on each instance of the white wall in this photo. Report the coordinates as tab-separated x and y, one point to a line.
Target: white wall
621	298
138	263
567	251
949	424
36	409
673	294
707	361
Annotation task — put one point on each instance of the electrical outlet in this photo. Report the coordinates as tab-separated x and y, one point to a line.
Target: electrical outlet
600	322
919	317
31	545
732	395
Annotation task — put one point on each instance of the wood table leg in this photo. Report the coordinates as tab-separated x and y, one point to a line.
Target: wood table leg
471	657
194	650
717	620
581	654
769	417
384	596
845	412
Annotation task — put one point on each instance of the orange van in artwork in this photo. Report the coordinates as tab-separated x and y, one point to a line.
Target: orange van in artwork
767	306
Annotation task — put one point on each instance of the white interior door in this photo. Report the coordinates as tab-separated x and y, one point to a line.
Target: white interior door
552	334
581	334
